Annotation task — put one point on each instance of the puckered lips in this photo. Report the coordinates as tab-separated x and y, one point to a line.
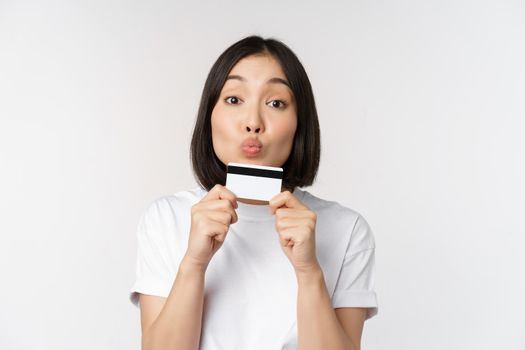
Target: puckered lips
251	147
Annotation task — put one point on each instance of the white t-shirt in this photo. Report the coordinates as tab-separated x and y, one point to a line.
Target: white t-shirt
250	297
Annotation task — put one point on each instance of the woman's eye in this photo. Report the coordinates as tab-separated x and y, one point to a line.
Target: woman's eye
278	104
232	100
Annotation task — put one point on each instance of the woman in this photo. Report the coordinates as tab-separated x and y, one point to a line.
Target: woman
217	272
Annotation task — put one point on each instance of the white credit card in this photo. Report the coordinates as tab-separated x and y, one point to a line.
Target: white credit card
248	181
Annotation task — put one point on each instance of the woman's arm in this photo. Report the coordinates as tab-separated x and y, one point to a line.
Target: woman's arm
178	326
318	325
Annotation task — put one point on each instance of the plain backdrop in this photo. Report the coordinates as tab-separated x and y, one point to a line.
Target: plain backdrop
422	114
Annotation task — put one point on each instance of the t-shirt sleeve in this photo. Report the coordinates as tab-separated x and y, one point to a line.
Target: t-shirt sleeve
355	285
153	272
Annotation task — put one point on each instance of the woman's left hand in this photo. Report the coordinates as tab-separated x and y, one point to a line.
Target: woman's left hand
295	224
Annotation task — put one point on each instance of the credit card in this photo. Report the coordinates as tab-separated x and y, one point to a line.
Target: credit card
258	182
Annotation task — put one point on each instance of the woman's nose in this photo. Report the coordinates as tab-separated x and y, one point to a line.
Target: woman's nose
254	123
256	130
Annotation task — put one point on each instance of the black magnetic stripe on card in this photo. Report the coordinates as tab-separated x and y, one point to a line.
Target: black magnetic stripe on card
255	172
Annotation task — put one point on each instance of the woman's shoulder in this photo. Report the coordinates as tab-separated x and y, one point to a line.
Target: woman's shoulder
324	206
337	215
172	204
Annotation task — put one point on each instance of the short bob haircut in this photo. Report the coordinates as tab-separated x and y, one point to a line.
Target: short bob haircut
300	169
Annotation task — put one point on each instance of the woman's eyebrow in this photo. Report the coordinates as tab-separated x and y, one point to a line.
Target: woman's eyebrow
270	81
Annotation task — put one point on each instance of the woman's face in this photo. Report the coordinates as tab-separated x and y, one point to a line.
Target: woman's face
255	118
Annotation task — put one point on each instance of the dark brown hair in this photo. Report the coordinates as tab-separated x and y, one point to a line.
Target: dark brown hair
300	169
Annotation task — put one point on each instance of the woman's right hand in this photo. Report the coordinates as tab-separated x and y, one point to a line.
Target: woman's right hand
210	221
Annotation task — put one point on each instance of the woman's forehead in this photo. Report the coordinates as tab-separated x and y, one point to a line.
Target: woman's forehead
258	67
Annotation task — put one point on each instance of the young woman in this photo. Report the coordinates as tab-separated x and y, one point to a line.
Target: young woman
216	272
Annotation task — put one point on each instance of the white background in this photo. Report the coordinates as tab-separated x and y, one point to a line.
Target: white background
422	114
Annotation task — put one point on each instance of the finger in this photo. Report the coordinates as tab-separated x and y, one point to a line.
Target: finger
214	228
223	217
221	237
287	238
220	192
285	242
284	212
283	224
219	205
285	199
297	234
303	217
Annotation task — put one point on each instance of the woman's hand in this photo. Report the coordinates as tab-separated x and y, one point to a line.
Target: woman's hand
210	221
295	224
